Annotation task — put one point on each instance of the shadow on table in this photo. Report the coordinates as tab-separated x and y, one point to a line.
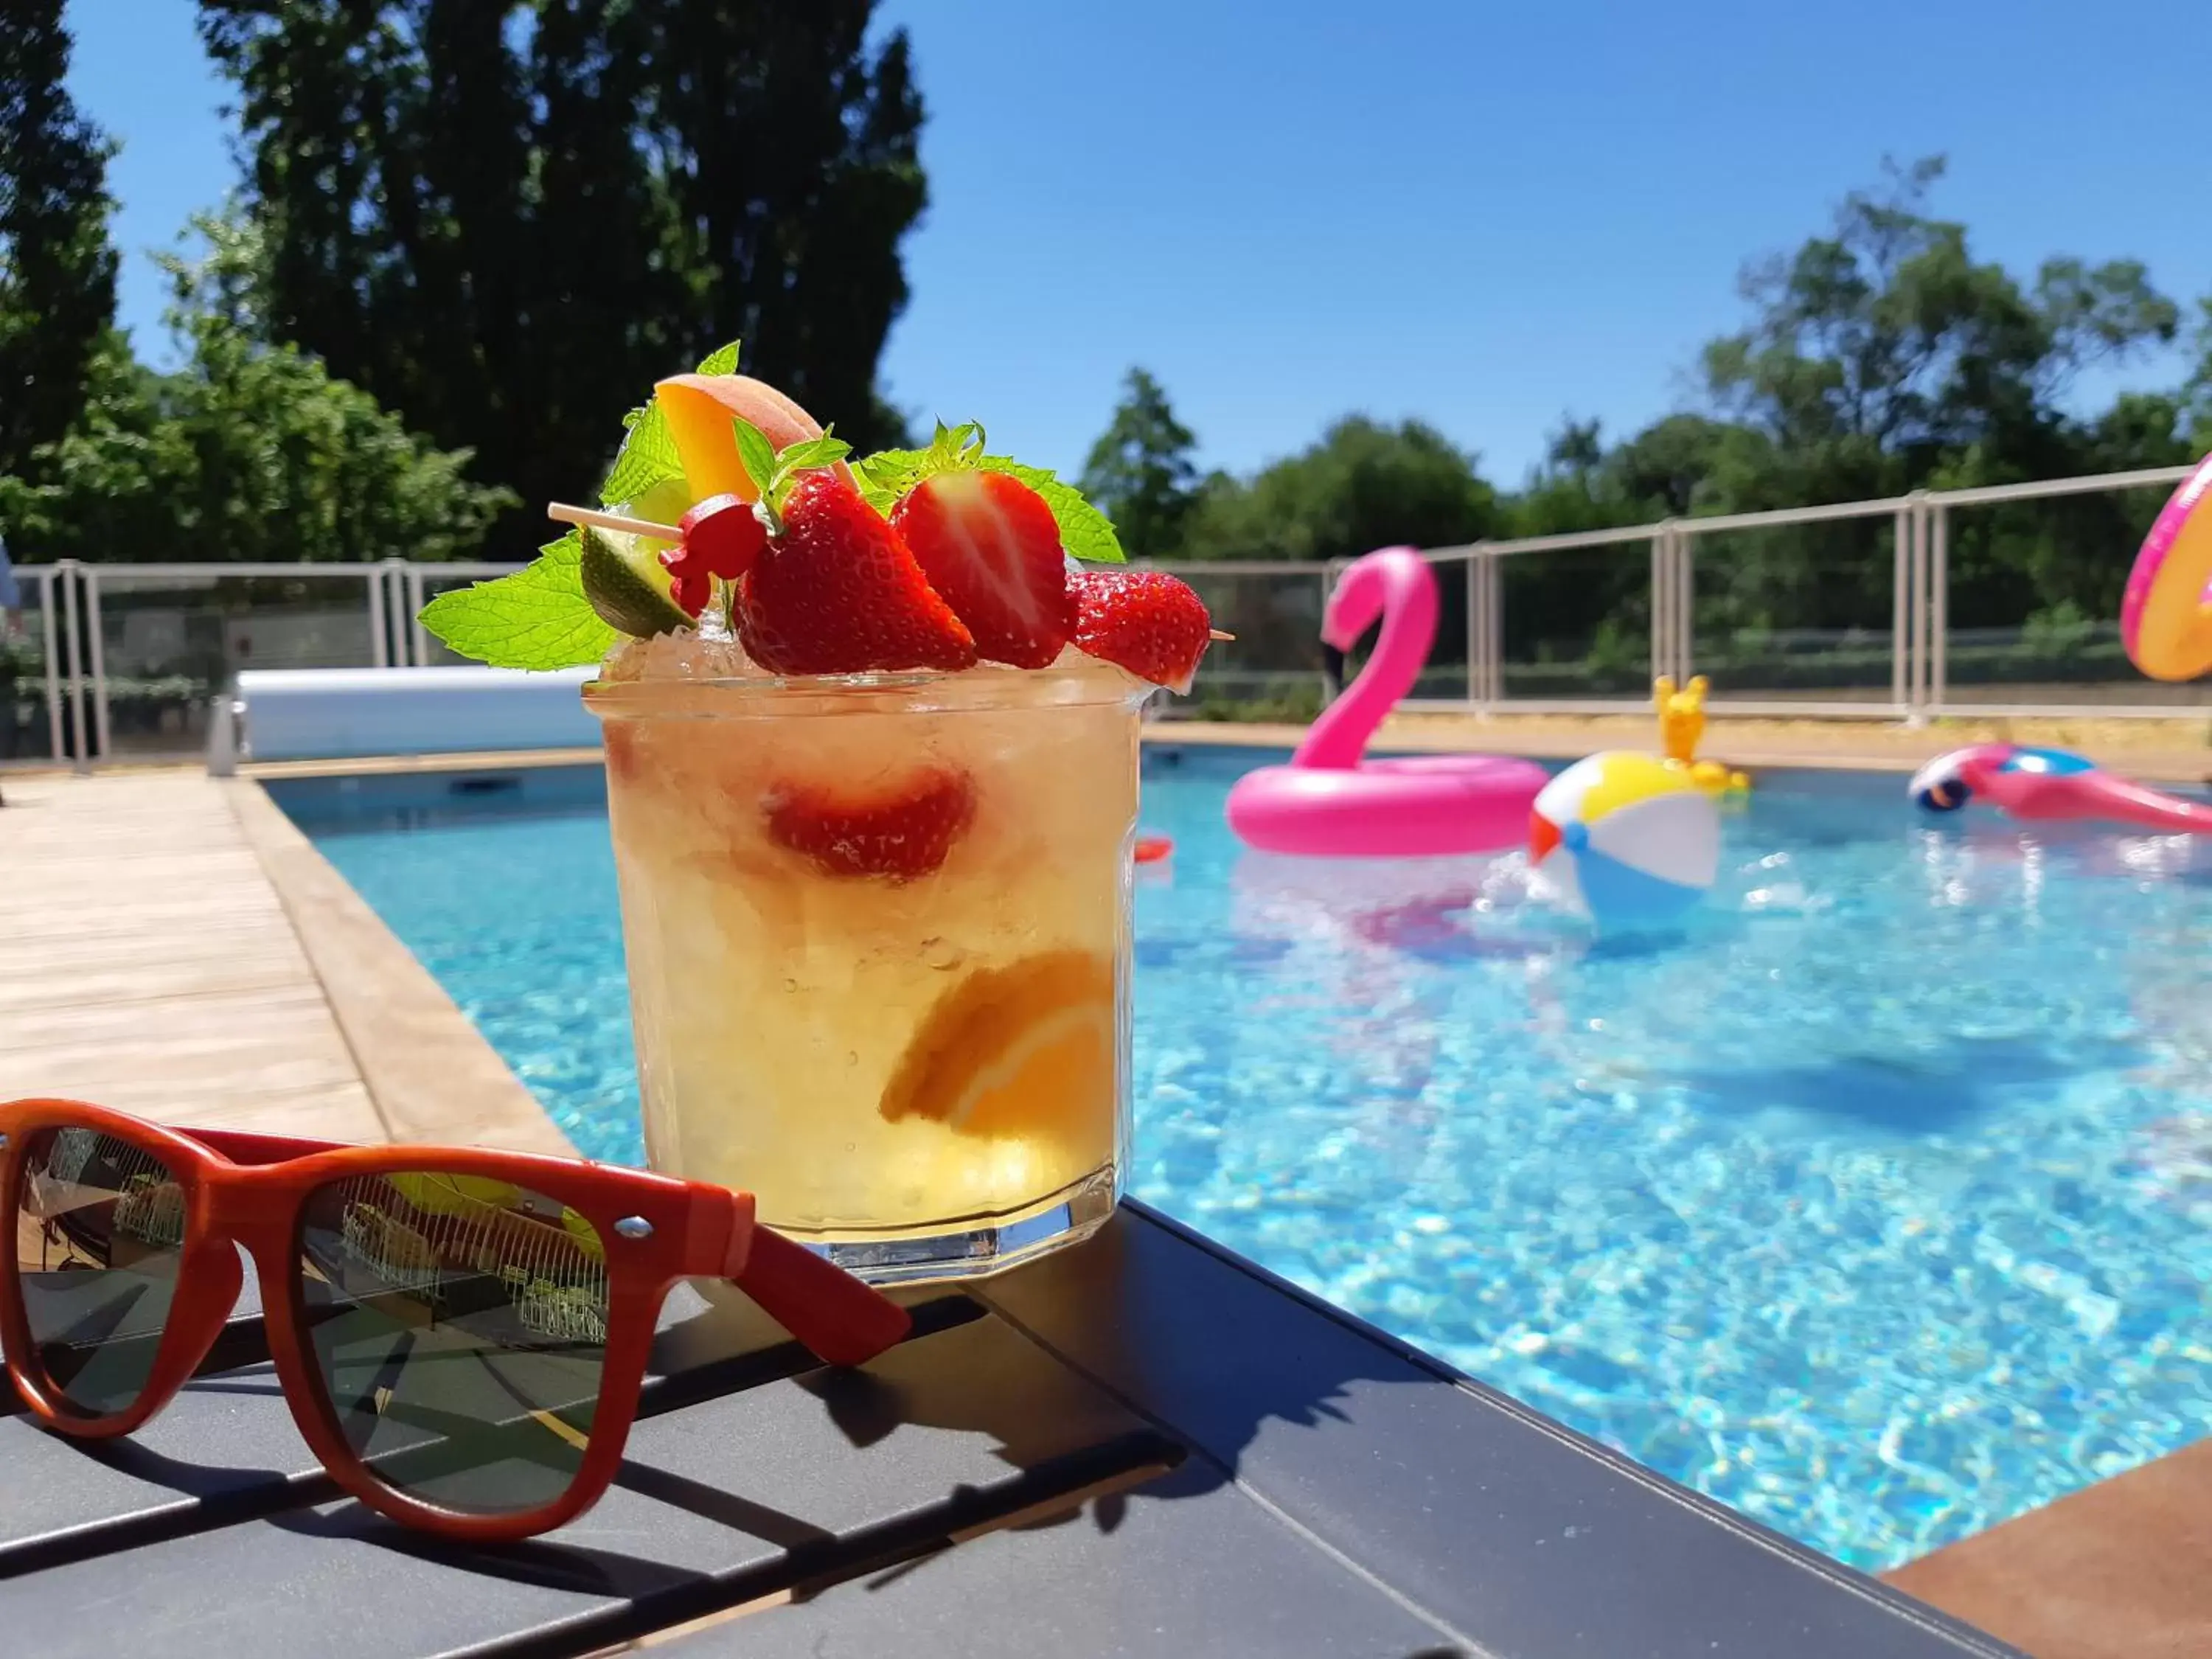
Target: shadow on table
1086	1376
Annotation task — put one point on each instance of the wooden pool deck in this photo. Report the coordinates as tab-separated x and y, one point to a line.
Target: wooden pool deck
170	943
171	946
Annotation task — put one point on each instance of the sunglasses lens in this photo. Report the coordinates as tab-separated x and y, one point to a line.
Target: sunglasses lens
99	1231
459	1325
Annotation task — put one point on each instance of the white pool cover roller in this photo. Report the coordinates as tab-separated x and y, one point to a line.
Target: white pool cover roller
344	713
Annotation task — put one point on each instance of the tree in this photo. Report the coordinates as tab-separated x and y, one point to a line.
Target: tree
2197	390
1576	448
505	219
253	451
1365	485
1141	472
57	266
1882	350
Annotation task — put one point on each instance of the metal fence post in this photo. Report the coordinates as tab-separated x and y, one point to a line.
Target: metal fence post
1912	534
1478	630
1329	688
1686	591
65	574
101	730
1923	600
411	582
1493	629
379	632
397	619
49	630
1901	680
1937	529
1672	646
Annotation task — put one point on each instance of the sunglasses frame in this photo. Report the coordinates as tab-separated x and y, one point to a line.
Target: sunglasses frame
250	1189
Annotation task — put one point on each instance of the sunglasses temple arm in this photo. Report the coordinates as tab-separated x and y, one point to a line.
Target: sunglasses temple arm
834	1314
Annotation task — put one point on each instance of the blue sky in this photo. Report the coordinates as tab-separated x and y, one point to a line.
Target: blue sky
1481	214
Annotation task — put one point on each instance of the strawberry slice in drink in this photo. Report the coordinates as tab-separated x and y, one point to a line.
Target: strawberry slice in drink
836	591
898	834
1145	621
990	547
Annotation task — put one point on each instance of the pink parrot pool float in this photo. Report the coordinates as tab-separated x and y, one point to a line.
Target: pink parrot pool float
2046	784
1330	802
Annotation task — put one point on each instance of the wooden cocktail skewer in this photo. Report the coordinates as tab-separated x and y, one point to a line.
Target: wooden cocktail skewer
562	512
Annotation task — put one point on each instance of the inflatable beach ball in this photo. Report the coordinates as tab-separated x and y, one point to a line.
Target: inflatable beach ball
1625	839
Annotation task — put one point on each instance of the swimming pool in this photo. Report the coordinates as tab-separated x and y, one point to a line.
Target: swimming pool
1874	1205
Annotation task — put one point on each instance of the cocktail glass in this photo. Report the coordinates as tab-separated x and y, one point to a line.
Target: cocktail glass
919	1065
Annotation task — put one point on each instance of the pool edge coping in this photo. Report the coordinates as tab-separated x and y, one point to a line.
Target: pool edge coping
1844	747
432	1077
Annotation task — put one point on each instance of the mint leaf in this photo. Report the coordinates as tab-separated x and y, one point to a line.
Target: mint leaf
890	473
537	618
1084	531
810	453
754	452
724	361
647	458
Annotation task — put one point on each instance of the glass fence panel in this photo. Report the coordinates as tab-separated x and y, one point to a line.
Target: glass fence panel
2033	612
1272	670
1802	612
35	728
169	643
1575	623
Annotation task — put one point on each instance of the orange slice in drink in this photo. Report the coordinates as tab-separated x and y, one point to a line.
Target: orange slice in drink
1026	1049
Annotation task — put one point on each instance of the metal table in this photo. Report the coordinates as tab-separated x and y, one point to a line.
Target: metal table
1142	1446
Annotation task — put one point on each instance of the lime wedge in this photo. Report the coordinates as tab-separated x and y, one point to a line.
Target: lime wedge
628	585
665	503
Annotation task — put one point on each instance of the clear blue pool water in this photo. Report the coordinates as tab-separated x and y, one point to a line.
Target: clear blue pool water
1877	1204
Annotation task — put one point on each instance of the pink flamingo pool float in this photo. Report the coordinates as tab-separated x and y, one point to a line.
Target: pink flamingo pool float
2044	784
1329	802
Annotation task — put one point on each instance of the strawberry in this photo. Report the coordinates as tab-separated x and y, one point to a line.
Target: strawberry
898	834
837	593
1145	621
990	545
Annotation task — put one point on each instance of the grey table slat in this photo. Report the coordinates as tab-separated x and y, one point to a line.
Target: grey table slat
1328	1492
1526	1538
1187	1567
801	1475
226	1449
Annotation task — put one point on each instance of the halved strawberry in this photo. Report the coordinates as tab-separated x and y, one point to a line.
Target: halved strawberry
990	547
1145	621
838	592
899	833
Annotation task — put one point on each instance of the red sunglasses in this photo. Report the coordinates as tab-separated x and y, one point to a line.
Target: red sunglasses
461	1334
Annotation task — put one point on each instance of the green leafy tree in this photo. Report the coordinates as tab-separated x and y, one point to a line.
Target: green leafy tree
1365	485
505	219
1141	472
253	451
1882	350
2197	390
1576	449
57	266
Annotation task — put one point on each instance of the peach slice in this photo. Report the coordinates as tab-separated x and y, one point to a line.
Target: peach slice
1024	1050
698	409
